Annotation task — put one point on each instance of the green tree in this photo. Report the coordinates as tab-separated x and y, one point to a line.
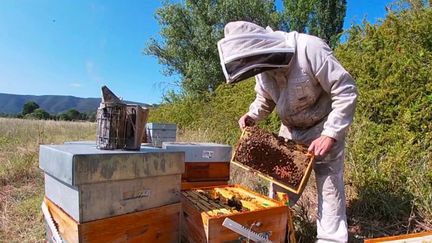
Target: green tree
323	18
296	14
64	117
70	115
73	114
29	107
190	31
40	114
328	18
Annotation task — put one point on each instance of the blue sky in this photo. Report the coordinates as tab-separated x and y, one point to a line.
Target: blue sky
74	47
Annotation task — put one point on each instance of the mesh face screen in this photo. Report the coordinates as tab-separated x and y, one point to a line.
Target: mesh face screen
234	67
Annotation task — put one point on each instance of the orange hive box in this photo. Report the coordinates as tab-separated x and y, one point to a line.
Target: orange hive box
425	237
203	161
205	209
206	171
285	163
160	224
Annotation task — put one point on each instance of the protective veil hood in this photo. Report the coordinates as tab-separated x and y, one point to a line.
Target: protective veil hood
249	49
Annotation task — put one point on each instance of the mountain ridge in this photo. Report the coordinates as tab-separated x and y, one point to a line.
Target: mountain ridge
53	104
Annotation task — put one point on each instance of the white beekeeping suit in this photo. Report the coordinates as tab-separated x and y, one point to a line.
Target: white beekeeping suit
313	95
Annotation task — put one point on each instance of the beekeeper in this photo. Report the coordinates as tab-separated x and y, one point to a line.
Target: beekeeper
314	97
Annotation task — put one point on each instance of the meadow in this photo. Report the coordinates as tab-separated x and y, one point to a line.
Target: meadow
21	181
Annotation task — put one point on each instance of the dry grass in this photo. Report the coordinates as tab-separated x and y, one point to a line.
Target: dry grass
21	181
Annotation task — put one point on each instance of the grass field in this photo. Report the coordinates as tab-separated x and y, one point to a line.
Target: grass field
21	181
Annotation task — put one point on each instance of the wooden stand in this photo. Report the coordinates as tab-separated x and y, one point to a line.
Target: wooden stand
160	224
202	220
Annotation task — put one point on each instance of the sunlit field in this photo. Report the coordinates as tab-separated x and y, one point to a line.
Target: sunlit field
21	181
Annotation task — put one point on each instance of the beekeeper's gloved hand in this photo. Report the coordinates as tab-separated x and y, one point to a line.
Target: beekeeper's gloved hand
321	146
246	121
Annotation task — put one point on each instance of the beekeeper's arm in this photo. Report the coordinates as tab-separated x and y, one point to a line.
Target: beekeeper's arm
337	82
263	104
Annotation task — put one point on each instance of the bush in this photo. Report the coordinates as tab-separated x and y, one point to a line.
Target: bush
390	143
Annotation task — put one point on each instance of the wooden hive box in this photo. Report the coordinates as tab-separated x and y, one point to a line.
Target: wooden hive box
205	209
91	184
160	224
203	161
206	171
285	163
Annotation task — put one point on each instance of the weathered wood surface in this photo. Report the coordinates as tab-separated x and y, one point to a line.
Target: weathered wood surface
206	171
107	199
202	220
160	224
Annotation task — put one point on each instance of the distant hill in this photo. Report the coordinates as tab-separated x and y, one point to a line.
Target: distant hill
54	104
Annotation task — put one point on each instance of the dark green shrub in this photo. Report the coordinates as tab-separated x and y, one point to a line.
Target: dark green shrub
389	157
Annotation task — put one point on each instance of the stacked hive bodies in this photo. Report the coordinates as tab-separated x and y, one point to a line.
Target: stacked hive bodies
206	164
97	195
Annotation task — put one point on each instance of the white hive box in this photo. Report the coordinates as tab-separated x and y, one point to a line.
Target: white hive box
157	133
203	161
90	184
201	152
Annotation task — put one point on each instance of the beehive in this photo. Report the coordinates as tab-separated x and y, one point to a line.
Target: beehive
283	162
91	184
203	161
157	133
206	208
161	224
